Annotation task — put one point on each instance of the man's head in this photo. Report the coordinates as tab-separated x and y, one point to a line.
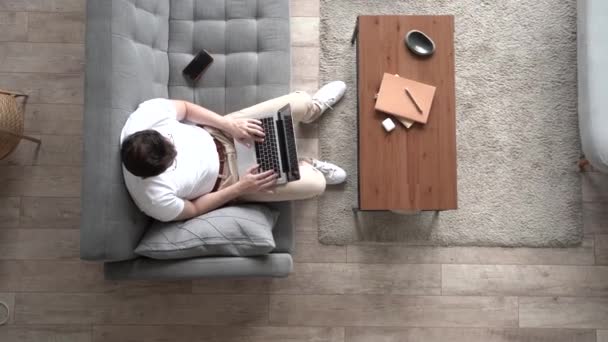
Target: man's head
147	153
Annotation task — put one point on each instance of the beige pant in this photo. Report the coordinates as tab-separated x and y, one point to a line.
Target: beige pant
311	182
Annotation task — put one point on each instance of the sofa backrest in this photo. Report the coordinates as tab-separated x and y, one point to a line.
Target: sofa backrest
136	50
249	41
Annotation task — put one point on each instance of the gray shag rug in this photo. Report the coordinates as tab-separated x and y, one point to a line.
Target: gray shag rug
517	129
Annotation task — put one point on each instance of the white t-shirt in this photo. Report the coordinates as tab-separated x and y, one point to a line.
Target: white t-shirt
193	173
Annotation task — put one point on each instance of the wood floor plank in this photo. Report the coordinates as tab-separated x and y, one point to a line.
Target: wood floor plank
382	334
43	244
9	212
46	88
306	215
314	252
595	217
55	150
305	77
304	8
13	26
40	181
309	86
395	254
43	5
336	278
307	131
360	279
602	336
9	300
305	31
563	312
308	147
387	310
50	212
191	333
309	249
146	309
595	187
305	60
37	57
49	333
56	27
53	119
601	249
519	280
74	276
232	286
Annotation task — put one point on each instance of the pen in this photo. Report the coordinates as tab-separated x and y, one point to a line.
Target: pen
407	91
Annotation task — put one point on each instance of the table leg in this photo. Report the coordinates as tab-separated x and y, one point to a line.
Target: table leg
353	39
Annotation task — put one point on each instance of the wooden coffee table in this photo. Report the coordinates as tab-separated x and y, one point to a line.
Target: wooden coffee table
407	169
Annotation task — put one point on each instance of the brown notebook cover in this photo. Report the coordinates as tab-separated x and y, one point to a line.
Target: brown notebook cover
393	98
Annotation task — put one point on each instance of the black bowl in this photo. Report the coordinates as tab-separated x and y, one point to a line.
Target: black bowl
419	43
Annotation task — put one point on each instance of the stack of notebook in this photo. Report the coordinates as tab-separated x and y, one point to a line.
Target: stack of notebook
407	100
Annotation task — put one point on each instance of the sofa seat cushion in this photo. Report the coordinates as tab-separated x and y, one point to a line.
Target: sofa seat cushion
244	230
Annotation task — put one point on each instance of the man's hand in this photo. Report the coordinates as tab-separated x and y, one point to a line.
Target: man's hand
245	130
254	182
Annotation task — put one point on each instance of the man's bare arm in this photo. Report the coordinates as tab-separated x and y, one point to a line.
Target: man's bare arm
241	129
209	202
199	115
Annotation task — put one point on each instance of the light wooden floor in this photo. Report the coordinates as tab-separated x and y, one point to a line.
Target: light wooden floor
337	294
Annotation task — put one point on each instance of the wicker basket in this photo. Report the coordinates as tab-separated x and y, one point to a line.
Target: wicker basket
11	123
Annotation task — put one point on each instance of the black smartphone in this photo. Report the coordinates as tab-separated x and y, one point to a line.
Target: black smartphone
195	69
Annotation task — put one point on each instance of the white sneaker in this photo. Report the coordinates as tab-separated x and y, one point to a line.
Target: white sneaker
329	95
333	173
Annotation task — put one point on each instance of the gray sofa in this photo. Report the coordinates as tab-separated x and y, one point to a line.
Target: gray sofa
136	50
592	80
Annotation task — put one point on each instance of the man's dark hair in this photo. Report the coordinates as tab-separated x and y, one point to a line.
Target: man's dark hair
147	153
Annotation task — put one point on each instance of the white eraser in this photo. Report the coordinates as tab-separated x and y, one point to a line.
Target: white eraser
388	124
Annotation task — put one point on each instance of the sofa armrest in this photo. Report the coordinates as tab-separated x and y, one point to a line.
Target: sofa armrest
272	265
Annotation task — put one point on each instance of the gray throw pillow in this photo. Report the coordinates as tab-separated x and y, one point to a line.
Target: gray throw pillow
244	230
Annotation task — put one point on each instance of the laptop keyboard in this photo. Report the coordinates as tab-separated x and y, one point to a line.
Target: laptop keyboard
267	152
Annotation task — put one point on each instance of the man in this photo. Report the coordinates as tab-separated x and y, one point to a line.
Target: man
176	171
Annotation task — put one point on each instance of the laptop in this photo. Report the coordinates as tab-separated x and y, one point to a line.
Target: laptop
277	152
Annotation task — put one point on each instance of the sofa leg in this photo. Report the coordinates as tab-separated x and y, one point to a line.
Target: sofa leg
583	163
